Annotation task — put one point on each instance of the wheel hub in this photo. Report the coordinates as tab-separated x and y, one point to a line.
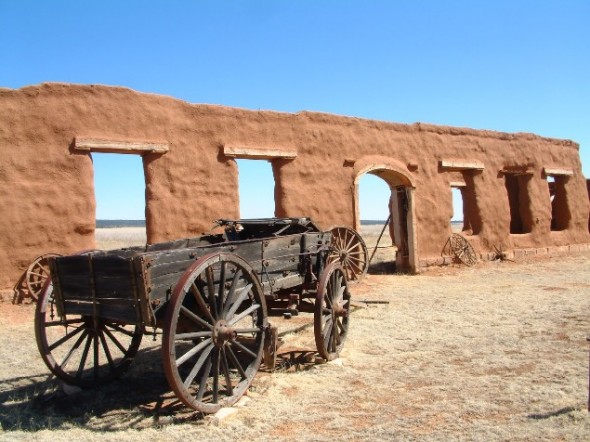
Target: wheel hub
222	333
339	311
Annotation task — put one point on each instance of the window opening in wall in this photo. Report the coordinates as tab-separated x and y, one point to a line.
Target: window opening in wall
458	219
519	202
256	189
119	189
466	218
560	213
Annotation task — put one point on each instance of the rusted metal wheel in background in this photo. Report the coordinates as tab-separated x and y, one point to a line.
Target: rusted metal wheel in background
349	249
332	308
37	274
462	249
79	350
214	332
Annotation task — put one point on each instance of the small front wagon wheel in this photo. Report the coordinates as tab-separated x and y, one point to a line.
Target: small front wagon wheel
214	332
332	308
79	350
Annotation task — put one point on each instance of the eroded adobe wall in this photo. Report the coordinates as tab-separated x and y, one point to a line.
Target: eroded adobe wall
47	194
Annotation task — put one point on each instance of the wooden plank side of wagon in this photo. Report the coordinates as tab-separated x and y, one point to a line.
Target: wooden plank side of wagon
281	263
105	282
117	309
164	268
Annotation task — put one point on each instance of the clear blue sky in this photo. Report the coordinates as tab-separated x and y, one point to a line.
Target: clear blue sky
515	66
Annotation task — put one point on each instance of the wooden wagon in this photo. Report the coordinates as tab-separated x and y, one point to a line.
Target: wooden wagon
211	295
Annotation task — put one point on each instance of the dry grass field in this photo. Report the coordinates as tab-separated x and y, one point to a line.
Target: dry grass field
495	352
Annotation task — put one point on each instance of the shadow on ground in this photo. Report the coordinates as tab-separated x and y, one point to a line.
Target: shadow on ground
140	399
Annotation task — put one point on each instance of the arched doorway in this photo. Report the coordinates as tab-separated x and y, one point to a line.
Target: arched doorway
401	209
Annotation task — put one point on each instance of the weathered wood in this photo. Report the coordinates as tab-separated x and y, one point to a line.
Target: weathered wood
113	146
131	285
461	165
257	153
549	171
124	312
284	282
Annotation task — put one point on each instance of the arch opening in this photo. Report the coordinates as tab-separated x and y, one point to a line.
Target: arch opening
396	249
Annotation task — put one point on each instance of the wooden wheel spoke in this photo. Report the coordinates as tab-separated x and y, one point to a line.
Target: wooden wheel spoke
107	351
198	295
190	315
195	370
349	242
191	336
216	376
354	258
355	265
238	302
336	333
225	368
355	248
84	356
203	381
236	362
66	338
328	331
221	292
339	278
211	290
231	294
120	329
242	347
72	350
115	341
193	351
243	314
247	330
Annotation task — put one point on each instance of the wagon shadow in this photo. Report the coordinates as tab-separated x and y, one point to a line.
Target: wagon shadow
141	398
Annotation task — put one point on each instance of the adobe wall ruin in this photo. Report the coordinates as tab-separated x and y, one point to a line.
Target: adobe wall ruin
48	133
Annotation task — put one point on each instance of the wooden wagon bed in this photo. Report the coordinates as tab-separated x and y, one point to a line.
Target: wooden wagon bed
211	295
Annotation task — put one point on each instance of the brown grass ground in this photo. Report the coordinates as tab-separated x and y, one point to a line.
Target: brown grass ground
493	352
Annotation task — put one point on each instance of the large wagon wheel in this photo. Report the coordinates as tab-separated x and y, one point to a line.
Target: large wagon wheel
332	308
37	274
214	332
79	350
349	249
462	249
